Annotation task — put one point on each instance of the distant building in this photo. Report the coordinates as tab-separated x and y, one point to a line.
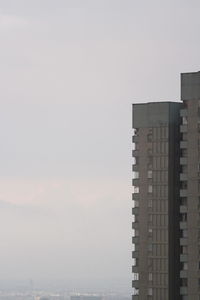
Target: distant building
75	298
91	298
86	297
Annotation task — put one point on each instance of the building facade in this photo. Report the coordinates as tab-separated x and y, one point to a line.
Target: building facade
166	196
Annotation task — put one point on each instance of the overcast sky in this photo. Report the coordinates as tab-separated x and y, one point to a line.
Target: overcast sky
69	71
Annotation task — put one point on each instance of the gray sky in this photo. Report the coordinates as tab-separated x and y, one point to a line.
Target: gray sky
69	73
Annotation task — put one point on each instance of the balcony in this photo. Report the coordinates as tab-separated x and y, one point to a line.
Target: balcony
183	241
135	239
135	210
135	182
183	274
183	161
183	112
183	144
183	128
135	225
135	138
183	193
135	283
134	269
183	290
135	167
135	153
135	297
136	196
183	209
183	225
135	254
183	176
183	258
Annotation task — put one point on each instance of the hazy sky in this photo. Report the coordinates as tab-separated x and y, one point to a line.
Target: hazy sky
69	71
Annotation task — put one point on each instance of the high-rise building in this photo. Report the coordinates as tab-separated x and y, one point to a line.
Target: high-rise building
166	196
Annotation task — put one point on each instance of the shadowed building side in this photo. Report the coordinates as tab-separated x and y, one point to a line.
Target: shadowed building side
156	260
190	187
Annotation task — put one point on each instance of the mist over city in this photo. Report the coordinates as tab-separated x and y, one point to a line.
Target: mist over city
70	70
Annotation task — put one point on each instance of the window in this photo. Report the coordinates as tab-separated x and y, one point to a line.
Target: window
184	249
184	136
149	174
150	130
184	152
149	151
134	212
150	189
150	219
150	203
184	282
150	276
150	291
149	137
184	120
184	266
184	233
150	161
184	201
184	217
184	168
150	262
184	184
150	231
